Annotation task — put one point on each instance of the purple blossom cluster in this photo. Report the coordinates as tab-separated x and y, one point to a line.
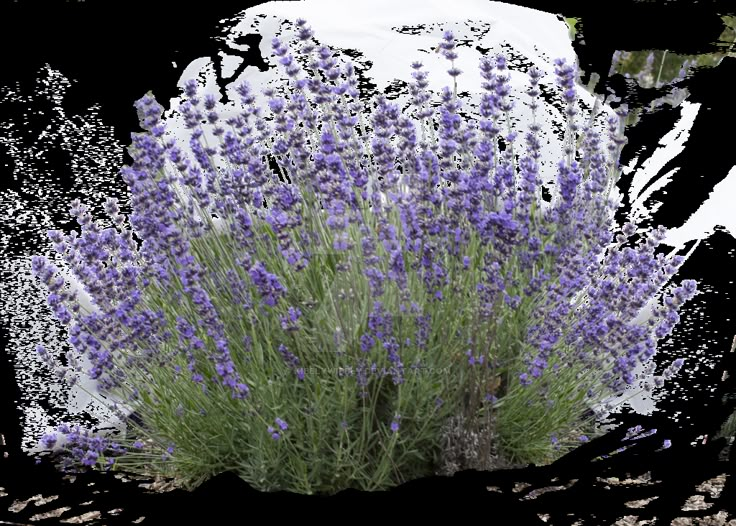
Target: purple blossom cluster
601	331
283	426
292	361
84	449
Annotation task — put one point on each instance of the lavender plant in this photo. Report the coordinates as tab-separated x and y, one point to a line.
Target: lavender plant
331	339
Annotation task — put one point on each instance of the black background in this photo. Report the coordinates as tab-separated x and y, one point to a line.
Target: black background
117	51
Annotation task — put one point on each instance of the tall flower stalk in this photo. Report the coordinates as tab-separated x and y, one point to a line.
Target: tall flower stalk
331	340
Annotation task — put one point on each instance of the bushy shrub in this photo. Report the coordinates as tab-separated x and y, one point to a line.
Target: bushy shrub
336	339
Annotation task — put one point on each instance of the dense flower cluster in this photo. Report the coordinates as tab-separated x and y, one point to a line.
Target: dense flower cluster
84	448
463	243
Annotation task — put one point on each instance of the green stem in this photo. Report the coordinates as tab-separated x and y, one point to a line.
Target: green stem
661	64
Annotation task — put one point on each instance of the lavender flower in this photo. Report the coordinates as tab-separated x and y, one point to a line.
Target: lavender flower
49	440
273	433
290	323
395	423
283	425
267	283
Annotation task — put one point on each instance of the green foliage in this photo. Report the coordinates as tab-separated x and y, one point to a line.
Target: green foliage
336	439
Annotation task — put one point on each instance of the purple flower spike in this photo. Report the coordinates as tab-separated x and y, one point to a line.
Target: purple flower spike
49	440
268	284
90	458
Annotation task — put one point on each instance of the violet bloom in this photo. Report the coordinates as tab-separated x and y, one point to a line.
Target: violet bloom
90	458
273	433
289	323
268	284
395	424
49	440
670	371
283	425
